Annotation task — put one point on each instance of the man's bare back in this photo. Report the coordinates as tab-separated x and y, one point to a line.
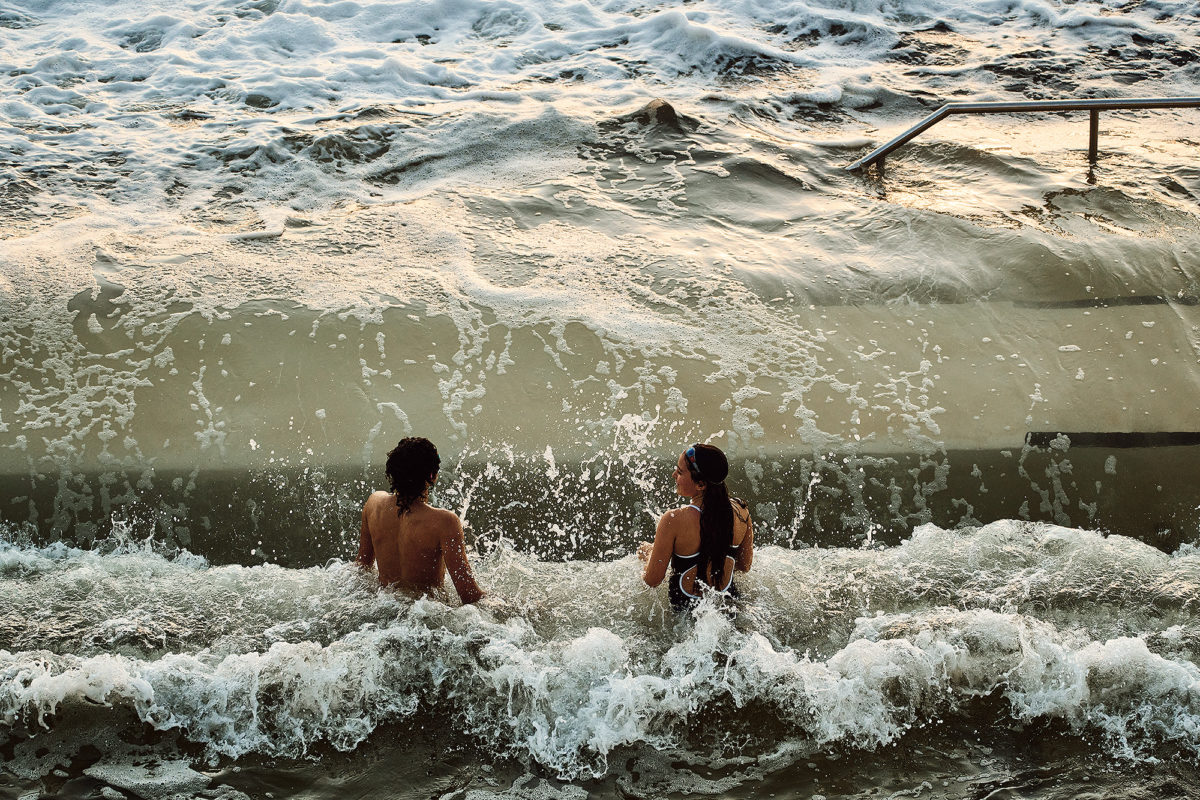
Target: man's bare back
415	549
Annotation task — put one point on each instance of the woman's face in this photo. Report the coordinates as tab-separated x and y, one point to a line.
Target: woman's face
684	483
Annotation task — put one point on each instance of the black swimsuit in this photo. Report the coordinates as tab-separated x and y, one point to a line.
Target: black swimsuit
681	599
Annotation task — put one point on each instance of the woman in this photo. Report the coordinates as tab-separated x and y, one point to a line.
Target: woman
704	542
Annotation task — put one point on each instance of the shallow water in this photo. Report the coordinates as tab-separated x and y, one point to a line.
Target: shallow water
245	247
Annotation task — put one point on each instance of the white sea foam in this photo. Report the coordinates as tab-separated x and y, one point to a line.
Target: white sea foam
568	676
171	778
569	704
99	78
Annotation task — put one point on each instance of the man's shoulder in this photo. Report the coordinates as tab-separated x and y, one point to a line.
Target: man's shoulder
377	498
444	518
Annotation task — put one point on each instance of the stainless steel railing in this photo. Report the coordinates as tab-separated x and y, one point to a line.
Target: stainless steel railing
877	155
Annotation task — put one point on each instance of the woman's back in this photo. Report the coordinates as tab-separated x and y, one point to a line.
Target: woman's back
686	550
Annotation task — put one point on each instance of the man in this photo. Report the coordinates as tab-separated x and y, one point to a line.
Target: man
413	542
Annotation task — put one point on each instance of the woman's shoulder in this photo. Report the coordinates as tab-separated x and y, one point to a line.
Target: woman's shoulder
677	518
679	513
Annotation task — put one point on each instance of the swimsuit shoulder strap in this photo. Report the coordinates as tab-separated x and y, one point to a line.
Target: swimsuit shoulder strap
697	553
744	513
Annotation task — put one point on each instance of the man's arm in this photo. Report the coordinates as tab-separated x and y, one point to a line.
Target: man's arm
454	552
366	548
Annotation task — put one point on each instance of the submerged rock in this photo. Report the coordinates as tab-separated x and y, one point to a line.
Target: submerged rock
657	112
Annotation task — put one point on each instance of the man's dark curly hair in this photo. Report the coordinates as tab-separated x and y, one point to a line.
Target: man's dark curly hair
411	467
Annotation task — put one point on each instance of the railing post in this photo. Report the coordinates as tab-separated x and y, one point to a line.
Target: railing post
1094	106
1094	135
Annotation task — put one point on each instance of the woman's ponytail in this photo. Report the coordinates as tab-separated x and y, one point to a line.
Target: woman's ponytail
716	534
716	514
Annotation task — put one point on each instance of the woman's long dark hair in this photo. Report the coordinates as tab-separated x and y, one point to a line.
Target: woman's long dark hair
716	514
411	467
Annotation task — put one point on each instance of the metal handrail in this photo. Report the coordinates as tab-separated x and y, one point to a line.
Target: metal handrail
1094	106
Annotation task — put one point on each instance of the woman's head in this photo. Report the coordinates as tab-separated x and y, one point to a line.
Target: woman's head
699	467
412	467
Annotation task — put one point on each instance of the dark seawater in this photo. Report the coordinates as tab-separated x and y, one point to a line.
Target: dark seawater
246	246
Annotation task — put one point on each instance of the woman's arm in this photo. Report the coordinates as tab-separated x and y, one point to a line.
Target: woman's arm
745	550
660	552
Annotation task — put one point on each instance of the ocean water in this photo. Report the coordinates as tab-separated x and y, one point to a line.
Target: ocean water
246	246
